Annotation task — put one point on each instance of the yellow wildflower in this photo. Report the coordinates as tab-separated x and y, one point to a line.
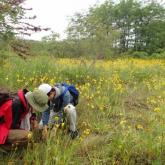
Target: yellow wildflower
123	122
139	126
29	136
62	125
157	109
56	118
87	131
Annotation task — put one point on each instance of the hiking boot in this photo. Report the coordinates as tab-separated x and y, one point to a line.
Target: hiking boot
74	134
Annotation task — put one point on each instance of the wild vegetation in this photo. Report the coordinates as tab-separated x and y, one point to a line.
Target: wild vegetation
120	113
114	54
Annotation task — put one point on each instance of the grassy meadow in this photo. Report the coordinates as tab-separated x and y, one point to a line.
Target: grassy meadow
121	111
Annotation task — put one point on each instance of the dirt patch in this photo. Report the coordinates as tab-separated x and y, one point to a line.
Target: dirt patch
92	142
135	104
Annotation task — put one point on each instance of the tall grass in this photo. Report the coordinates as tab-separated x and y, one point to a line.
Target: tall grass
121	112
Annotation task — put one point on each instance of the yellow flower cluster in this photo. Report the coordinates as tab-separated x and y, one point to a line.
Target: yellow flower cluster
157	109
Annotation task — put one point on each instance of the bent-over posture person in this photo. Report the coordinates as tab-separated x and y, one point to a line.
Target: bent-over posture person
16	113
59	97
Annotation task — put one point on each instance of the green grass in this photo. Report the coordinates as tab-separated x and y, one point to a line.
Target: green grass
121	112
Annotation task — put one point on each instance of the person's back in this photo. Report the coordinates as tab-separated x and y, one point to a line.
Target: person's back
10	111
14	111
62	98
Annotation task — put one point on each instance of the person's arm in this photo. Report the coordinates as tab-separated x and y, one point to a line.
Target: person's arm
33	121
45	132
45	116
33	116
45	120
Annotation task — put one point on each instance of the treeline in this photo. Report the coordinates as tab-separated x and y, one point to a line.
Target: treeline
110	29
127	27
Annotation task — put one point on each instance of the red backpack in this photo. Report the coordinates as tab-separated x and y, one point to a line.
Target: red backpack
4	95
6	113
5	120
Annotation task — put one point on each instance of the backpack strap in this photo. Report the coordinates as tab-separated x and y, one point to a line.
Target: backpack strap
22	98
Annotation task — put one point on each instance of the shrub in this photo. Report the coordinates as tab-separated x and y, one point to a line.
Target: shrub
139	54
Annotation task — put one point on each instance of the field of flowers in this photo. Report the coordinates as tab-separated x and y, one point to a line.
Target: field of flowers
121	111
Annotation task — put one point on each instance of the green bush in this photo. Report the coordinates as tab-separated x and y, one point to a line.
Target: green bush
158	55
139	54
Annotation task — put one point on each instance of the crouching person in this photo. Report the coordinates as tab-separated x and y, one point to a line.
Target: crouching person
16	113
59	97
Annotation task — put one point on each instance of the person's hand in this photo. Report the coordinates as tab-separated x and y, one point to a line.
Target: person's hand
45	132
35	124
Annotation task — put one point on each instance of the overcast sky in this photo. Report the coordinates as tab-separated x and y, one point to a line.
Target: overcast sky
54	13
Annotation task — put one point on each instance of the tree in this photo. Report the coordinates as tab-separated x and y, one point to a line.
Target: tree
150	29
140	26
128	24
13	21
93	30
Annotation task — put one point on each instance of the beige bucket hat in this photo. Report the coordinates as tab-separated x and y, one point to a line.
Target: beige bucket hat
38	100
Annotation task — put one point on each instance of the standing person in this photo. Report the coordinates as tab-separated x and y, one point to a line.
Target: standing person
59	97
16	112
